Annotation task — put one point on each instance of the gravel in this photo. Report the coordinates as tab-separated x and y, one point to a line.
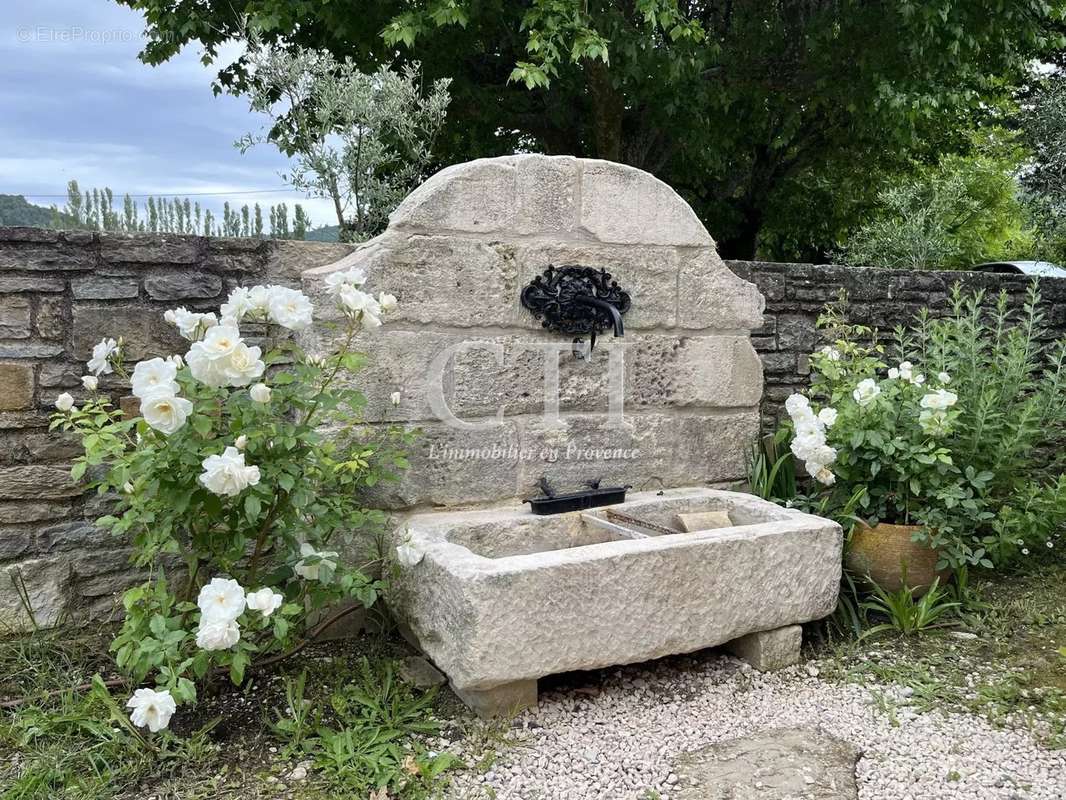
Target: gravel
614	734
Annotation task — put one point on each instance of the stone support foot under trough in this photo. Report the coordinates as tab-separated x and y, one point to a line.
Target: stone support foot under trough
769	650
505	700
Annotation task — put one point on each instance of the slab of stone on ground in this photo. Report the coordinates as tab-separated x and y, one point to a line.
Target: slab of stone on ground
782	764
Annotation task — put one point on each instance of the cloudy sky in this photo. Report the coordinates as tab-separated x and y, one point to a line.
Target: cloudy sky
78	104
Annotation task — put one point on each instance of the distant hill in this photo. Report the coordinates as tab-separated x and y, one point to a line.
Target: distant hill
16	211
327	233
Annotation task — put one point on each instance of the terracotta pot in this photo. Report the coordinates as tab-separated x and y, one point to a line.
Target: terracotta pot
885	551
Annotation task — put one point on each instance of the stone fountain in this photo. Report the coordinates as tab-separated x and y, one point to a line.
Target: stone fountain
566	326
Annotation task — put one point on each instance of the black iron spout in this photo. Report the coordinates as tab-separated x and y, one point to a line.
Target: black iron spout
579	301
616	317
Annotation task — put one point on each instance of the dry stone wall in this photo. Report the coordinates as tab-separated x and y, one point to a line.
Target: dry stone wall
796	294
60	293
457	254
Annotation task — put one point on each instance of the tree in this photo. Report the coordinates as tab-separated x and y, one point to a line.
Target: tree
962	211
1043	125
740	104
15	210
94	210
361	140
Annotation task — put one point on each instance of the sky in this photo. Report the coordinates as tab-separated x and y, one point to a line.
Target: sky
77	103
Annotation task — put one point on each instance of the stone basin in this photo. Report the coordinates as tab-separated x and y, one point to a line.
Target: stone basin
500	597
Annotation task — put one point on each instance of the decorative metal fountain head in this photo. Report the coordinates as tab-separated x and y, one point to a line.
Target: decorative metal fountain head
580	301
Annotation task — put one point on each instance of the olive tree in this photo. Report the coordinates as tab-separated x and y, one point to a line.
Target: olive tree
361	140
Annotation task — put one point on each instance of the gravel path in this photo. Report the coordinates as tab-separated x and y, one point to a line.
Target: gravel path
615	736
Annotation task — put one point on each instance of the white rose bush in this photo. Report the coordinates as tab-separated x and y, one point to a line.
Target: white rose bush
946	435
227	490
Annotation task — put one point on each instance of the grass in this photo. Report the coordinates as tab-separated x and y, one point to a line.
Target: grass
341	715
1004	661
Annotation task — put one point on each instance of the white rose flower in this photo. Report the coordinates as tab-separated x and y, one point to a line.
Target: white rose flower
893	373
65	402
205	370
809	425
796	403
165	413
266	601
238	304
243	365
943	377
242	442
823	454
830	353
355	300
227	474
259	296
260	393
918	380
363	307
90	382
192	325
906	370
866	392
290	308
154	376
221	600
803	446
311	569
387	301
939	400
827	416
336	281
209	359
217	635
219	342
100	363
394	398
151	709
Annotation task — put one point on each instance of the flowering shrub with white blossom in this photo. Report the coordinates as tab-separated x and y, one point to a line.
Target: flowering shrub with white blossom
226	481
949	436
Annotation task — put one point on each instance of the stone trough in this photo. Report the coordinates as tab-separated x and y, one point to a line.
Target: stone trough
500	597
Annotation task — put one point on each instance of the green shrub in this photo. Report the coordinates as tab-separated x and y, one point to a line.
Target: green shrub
962	436
964	210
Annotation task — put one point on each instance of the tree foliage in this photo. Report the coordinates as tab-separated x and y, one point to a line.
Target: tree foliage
959	212
95	210
740	104
361	140
1043	126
